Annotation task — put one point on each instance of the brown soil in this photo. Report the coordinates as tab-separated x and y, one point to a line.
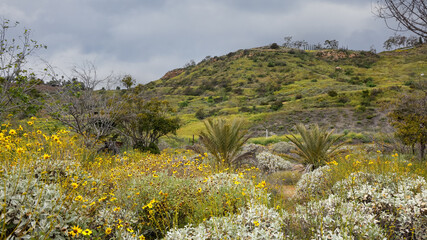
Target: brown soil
287	190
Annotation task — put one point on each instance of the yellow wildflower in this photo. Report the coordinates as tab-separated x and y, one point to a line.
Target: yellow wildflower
108	231
75	230
256	223
87	232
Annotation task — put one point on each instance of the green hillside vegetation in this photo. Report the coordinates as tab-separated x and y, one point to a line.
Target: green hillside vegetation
82	163
278	88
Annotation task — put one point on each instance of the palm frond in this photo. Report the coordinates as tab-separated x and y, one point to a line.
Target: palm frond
223	139
316	146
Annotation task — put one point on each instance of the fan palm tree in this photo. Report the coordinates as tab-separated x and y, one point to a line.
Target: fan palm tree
316	146
224	139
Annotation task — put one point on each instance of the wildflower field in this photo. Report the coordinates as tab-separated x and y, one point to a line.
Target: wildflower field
52	187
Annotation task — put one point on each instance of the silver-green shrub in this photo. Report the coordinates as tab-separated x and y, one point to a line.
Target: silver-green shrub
314	184
333	218
32	208
399	203
269	163
282	147
256	222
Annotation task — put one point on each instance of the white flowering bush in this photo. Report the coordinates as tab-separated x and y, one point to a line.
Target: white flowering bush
32	208
269	163
314	184
332	218
399	203
256	222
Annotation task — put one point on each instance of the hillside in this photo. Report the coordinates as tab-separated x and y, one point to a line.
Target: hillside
276	88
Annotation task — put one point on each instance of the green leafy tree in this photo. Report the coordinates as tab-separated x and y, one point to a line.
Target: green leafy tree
144	122
17	84
316	145
409	118
128	81
224	139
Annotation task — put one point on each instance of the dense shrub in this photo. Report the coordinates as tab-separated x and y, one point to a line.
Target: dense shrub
30	206
282	147
332	218
398	203
269	163
276	105
274	46
200	114
332	93
256	222
314	184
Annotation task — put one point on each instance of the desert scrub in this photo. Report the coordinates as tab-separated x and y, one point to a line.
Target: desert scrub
269	163
399	203
30	207
254	222
332	218
284	177
163	202
314	184
269	140
282	147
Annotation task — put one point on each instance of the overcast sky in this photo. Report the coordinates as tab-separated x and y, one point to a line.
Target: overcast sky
147	38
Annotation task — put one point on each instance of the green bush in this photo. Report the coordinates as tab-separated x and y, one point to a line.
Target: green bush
332	93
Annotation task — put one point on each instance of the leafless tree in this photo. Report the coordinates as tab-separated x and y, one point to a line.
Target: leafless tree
78	105
288	42
407	14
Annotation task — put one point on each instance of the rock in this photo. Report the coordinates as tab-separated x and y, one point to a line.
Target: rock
298	168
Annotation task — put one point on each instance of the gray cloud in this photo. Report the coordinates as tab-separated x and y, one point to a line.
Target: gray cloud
147	38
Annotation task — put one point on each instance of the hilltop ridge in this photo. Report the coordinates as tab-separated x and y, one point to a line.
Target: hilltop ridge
280	87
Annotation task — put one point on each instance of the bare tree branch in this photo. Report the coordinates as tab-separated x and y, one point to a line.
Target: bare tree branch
410	15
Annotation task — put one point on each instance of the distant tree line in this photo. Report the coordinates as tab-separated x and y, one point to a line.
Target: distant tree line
302	44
